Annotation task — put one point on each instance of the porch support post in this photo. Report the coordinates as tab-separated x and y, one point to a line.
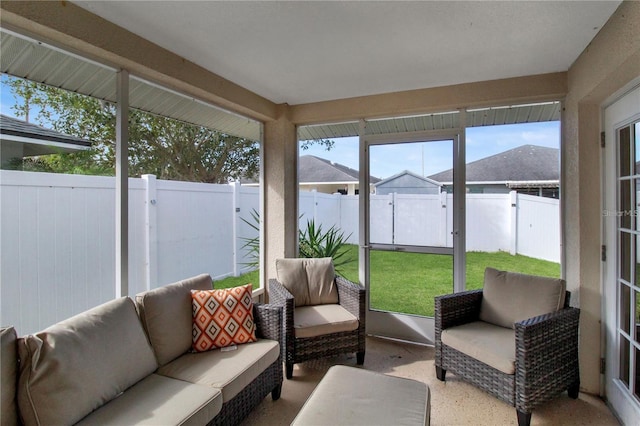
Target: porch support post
279	170
122	184
459	207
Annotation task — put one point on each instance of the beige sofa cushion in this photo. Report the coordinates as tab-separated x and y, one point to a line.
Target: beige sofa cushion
510	297
353	396
488	343
312	321
159	400
310	281
78	365
229	371
166	315
8	376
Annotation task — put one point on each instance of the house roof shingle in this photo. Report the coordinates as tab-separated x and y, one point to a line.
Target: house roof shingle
316	169
524	163
15	127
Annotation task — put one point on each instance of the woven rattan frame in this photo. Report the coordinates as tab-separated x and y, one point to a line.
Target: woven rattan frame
351	296
268	319
546	354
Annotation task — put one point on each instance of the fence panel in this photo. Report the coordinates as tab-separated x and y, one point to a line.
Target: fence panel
349	217
58	247
381	219
138	229
327	210
418	220
306	208
538	229
194	230
248	203
488	222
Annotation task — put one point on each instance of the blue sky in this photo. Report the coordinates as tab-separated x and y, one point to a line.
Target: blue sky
6	99
432	157
481	142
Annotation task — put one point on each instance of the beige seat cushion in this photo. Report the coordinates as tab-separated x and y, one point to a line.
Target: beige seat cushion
488	343
353	396
318	320
166	315
9	375
310	281
159	400
228	371
77	365
510	297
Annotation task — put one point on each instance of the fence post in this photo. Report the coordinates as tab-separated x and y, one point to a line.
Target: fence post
236	226
442	223
513	199
315	206
394	214
151	231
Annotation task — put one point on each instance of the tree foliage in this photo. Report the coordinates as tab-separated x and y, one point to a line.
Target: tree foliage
167	148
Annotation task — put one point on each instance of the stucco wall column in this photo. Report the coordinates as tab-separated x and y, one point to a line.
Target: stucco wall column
581	229
610	62
280	189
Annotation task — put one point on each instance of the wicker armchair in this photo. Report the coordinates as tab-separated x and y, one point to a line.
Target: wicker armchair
299	346
546	352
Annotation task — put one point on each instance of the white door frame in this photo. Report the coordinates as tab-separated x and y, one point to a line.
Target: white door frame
405	326
623	111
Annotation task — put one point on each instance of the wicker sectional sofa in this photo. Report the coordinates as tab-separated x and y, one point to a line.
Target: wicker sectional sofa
129	362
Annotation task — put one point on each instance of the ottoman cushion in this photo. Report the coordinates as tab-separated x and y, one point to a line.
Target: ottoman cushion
349	396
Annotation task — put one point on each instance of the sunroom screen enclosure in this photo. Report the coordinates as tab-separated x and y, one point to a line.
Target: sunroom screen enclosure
434	133
94	270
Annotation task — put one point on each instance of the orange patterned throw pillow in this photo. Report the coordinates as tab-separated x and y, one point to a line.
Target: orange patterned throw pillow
222	317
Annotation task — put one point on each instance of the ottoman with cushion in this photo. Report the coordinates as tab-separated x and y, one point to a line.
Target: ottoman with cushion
353	396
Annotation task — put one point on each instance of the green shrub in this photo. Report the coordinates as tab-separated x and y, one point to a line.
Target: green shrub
313	242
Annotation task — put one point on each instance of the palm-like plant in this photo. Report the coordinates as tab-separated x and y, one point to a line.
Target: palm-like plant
252	245
312	242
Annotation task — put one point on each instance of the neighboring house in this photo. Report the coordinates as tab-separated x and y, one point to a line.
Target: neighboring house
19	139
319	174
527	169
407	182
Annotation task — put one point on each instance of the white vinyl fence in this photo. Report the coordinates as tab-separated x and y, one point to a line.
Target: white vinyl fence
515	223
57	256
58	240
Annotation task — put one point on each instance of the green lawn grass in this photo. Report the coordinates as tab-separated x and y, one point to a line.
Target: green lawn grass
408	282
250	277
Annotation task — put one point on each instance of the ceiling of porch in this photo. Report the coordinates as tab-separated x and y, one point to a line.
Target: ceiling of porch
298	52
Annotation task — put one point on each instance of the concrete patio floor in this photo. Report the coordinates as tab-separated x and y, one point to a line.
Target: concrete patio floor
452	403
